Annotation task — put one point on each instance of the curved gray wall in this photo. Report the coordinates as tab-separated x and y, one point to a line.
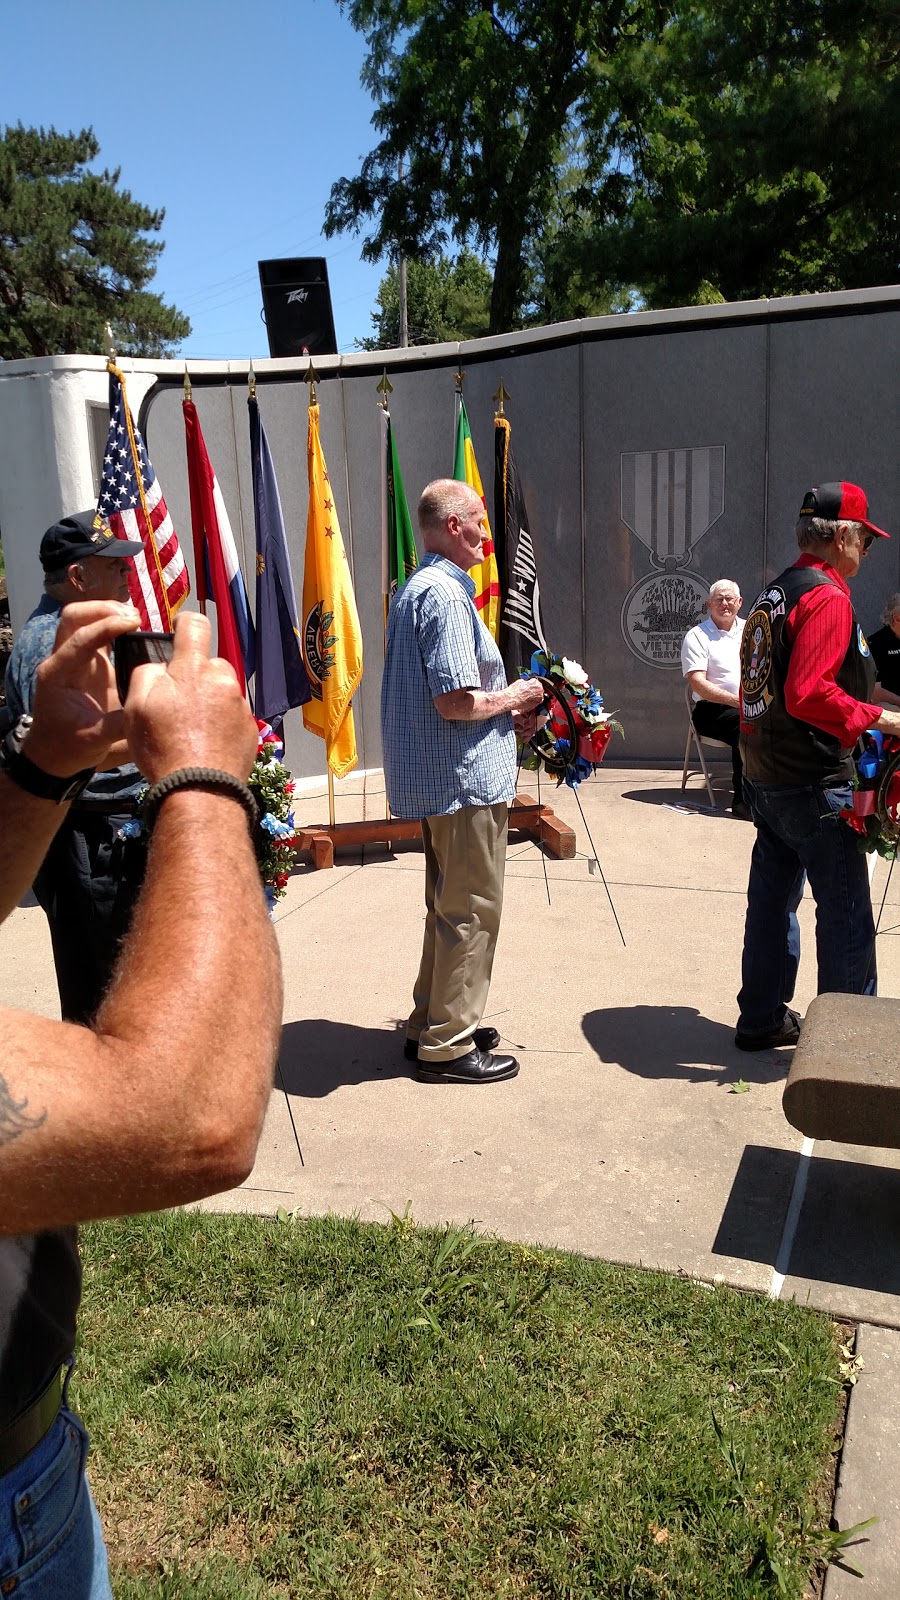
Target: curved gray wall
657	453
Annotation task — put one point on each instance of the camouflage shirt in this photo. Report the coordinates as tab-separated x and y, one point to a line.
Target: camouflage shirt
33	645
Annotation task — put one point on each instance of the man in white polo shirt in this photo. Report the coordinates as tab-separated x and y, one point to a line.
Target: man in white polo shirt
711	663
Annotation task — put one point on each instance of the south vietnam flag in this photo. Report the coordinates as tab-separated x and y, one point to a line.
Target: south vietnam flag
484	575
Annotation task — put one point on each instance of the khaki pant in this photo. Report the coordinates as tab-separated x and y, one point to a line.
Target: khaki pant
465	859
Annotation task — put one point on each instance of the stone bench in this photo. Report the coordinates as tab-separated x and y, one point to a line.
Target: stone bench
844	1080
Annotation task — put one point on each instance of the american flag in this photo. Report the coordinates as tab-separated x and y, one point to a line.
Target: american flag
131	501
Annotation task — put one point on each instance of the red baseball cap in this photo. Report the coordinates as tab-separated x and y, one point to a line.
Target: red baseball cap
840	502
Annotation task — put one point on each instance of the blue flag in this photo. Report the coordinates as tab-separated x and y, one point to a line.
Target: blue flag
281	680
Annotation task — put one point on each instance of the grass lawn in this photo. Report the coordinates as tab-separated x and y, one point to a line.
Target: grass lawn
325	1408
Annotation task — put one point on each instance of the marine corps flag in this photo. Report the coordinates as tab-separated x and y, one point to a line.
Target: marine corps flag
484	576
399	556
521	624
332	642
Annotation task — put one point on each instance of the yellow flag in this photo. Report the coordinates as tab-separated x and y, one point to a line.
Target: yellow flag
484	576
332	642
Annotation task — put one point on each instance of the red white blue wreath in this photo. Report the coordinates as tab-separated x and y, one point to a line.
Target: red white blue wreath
574	738
273	786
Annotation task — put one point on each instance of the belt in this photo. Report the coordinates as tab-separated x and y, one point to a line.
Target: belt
107	808
19	1437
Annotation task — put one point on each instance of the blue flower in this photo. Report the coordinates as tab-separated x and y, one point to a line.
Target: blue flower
272	825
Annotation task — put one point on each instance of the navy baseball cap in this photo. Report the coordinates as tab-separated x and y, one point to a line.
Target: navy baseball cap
840	502
86	534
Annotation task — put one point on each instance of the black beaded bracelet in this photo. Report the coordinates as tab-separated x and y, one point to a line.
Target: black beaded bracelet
211	778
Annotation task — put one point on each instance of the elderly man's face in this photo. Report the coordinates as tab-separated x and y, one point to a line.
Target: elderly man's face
101	577
723	607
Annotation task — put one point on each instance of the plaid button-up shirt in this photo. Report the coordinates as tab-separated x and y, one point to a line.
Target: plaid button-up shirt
436	643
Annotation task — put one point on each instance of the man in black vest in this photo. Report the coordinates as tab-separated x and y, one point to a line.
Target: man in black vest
806	696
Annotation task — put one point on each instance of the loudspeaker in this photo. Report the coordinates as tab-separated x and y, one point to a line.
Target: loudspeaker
297	307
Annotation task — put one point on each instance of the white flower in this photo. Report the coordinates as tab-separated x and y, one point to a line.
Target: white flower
574	673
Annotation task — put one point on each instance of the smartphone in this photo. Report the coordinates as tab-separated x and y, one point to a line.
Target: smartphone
136	650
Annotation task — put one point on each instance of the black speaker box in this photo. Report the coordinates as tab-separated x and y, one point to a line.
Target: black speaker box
297	306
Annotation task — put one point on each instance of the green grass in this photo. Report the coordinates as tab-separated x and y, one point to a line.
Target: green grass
326	1408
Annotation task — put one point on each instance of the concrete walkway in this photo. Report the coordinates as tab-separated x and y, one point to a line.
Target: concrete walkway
621	1137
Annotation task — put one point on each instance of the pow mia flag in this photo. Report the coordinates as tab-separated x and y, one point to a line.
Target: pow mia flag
521	624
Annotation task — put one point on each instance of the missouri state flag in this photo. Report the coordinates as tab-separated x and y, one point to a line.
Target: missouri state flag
216	565
330	631
484	575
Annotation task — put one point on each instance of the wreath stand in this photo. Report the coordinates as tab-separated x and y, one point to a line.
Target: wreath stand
526	815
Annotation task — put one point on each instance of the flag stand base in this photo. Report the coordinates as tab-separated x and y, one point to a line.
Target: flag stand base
538	822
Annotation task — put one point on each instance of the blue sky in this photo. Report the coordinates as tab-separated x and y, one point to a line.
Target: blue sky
237	118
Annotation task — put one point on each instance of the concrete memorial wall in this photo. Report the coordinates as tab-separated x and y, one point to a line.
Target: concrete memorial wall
657	453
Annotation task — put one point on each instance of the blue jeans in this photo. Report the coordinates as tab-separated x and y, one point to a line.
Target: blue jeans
51	1545
799	835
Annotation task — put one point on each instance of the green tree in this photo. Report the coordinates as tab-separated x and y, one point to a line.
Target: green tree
73	255
474	101
759	143
445	299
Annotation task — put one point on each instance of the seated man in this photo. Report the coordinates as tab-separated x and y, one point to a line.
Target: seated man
884	647
711	663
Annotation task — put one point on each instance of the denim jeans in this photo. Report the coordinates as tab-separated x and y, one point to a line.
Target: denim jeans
799	835
51	1545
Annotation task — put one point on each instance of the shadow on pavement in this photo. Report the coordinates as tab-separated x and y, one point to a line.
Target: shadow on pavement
675	1042
691	800
849	1228
317	1055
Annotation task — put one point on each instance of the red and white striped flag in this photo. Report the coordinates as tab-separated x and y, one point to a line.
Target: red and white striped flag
131	501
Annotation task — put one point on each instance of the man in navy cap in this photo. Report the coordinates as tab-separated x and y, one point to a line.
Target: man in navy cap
807	680
90	879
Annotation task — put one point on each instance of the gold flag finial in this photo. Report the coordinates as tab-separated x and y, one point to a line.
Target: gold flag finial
385	387
110	342
312	378
188	392
251	382
459	380
501	395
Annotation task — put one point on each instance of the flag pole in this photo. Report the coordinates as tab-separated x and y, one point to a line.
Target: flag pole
189	399
312	377
384	388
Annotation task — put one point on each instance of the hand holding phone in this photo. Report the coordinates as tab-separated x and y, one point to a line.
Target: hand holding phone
136	650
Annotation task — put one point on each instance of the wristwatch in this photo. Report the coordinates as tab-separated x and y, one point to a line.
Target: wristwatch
34	780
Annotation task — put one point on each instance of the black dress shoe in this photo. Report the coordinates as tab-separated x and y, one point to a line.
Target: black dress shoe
787	1032
483	1039
479	1066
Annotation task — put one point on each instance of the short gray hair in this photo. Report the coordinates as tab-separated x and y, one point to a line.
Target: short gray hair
720	585
443	498
891	610
814	532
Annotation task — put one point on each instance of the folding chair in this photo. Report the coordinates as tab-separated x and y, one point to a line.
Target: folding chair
699	740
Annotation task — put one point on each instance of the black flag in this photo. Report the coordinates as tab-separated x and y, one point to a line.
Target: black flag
521	624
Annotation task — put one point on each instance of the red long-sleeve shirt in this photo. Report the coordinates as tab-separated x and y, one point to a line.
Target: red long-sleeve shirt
819	629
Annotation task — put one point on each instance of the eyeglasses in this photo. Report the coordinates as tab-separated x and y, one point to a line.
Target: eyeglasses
868	541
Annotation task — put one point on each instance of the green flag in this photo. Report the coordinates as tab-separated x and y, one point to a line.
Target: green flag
399	556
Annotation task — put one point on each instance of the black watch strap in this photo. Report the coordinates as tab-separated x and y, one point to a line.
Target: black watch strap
33	779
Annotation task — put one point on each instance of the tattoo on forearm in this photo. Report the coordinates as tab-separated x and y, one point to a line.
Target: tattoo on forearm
14	1118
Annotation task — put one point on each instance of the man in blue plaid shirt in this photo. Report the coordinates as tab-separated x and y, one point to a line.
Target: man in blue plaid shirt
449	724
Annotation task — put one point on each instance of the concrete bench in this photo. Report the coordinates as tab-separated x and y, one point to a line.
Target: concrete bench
844	1080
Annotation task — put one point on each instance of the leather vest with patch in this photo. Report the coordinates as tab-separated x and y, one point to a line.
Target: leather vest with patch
777	748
